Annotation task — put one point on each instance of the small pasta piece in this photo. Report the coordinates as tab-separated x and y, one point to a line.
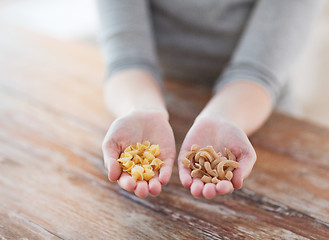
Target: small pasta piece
156	164
195	148
148	155
146	144
155	150
138	159
125	158
207	156
212	152
229	175
134	147
145	162
206	179
148	174
209	170
227	163
215	180
147	167
137	173
215	163
229	154
128	149
186	162
197	173
128	166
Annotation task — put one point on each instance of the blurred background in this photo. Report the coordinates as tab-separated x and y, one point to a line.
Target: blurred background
76	21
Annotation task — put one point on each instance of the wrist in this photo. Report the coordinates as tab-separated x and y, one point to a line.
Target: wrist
133	91
242	103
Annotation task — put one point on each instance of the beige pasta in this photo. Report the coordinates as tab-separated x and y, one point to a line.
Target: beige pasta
141	161
209	166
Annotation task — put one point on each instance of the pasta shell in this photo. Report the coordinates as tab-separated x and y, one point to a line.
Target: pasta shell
186	162
146	143
220	167
196	166
195	147
197	173
229	154
148	155
155	150
214	163
207	156
215	180
156	164
147	167
148	175
209	170
212	152
128	149
229	175
137	173
206	179
138	159
128	166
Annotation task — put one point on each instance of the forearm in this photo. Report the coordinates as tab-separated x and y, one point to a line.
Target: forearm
133	90
245	104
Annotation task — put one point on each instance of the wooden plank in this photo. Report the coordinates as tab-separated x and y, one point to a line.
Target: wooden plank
299	185
14	226
255	218
56	134
87	208
299	140
45	65
72	205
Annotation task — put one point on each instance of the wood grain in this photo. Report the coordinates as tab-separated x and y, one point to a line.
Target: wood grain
14	226
52	124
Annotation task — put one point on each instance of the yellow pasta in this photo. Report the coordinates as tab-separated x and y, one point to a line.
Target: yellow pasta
140	160
156	163
128	166
208	165
137	173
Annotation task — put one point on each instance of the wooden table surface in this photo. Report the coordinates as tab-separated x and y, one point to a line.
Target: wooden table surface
53	184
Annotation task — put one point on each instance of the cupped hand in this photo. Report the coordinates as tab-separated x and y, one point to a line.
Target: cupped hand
220	134
139	126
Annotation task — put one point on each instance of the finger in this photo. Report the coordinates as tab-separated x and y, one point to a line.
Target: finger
114	169
197	187
209	190
111	154
224	187
184	174
246	164
127	182
141	190
154	186
166	171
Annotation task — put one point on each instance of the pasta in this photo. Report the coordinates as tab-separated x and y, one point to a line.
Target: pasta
140	160
208	165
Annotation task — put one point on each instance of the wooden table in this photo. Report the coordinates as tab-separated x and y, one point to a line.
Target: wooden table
53	184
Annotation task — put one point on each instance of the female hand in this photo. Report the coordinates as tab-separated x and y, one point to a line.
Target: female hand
140	126
220	134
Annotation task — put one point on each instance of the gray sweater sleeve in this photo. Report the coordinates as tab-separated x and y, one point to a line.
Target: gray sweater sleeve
273	38
126	36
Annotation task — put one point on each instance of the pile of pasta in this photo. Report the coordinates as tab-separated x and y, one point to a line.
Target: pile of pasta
208	165
140	160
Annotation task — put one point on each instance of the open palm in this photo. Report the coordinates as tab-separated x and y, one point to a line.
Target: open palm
220	134
139	127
